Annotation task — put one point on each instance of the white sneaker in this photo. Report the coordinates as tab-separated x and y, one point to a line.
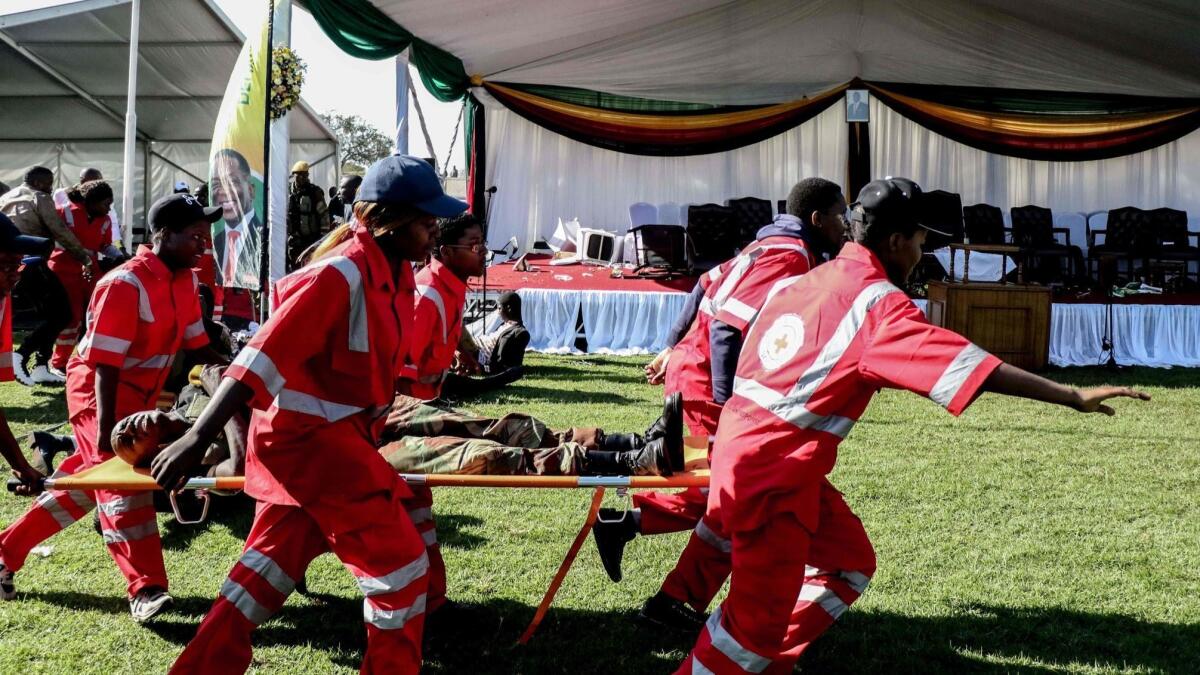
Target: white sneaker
19	370
8	590
148	602
46	375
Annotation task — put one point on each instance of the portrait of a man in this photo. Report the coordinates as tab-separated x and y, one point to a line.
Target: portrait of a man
857	109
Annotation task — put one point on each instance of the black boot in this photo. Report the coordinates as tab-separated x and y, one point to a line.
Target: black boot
650	460
619	442
46	446
670	422
667	612
613	529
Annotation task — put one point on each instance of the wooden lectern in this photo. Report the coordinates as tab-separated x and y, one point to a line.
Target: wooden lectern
1011	321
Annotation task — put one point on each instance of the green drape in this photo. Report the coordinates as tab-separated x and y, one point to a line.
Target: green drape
362	31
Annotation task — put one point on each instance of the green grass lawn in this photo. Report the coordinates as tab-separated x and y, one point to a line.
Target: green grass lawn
1018	538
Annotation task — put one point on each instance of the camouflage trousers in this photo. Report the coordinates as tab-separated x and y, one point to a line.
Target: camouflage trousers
421	438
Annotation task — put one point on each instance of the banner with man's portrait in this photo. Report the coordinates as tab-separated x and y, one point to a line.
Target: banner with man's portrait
237	166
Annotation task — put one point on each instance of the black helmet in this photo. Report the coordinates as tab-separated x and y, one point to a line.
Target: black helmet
894	203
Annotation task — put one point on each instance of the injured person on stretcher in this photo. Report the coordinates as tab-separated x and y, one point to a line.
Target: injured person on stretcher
421	438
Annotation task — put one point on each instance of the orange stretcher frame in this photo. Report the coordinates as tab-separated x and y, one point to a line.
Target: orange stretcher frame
116	474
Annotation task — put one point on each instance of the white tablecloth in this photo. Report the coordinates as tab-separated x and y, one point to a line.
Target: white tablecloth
984	266
625	323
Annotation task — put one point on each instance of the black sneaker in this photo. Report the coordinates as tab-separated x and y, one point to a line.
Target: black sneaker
8	589
611	538
666	612
46	446
20	364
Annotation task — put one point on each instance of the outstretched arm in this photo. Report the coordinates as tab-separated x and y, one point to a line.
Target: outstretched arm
1013	381
171	466
31	480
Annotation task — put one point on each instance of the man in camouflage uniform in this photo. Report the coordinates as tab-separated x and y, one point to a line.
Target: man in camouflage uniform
307	214
420	438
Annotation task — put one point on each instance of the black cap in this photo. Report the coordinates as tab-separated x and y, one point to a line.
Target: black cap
177	211
892	202
12	241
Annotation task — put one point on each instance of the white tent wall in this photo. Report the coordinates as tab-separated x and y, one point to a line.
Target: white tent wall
542	176
1168	175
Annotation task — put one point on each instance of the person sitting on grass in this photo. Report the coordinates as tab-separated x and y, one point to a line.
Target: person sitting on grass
817	353
498	355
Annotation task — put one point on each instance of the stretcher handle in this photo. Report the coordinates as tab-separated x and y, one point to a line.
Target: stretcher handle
202	495
14	483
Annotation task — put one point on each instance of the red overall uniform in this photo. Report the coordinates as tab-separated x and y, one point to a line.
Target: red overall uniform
323	372
95	234
736	292
141	315
817	353
437	326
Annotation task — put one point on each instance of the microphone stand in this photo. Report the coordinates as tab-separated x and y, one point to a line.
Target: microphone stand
1108	339
487	219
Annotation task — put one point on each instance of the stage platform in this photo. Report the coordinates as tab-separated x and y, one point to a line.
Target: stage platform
577	309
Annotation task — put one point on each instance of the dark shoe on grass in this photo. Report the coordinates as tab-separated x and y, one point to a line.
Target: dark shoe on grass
611	537
666	612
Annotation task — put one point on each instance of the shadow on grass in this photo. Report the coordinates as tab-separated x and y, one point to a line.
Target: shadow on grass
532	394
480	638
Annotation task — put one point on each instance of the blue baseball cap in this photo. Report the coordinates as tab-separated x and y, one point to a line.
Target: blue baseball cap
12	241
404	179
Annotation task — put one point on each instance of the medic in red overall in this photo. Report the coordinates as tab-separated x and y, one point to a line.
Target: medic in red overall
816	354
87	216
141	314
441	295
320	376
701	366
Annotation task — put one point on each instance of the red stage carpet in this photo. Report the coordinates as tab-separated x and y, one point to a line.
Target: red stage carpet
574	278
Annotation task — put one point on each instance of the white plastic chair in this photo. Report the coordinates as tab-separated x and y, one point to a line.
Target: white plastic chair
668	214
642	213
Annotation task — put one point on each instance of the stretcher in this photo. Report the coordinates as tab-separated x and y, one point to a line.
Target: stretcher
115	474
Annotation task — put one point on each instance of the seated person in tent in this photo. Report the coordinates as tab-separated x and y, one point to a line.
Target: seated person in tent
497	355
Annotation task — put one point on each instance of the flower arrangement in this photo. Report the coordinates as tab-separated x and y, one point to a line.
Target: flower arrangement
287	77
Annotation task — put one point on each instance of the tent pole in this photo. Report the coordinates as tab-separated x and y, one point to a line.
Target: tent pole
135	15
401	140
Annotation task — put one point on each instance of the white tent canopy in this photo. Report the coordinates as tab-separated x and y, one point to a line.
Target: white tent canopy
756	51
62	94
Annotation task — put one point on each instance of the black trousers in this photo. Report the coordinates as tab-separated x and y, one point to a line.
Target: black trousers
42	286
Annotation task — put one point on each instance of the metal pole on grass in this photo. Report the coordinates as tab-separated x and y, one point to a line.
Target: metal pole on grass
127	170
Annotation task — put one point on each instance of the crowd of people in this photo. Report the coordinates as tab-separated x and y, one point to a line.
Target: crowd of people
775	356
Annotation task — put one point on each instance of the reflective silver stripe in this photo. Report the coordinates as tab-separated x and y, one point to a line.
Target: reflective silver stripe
857	580
126	504
156	361
731	280
706	306
786	247
194	330
359	339
394	581
297	401
133	533
261	365
245	603
779	286
714	273
81	498
810	571
826	598
105	342
69	217
699	668
432	294
739	309
392	619
712	538
430	537
145	312
732	649
839	342
48	502
956	375
268	569
421	515
6	360
800	416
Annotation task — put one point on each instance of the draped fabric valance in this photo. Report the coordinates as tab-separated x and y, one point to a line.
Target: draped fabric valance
670	133
362	31
1049	126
